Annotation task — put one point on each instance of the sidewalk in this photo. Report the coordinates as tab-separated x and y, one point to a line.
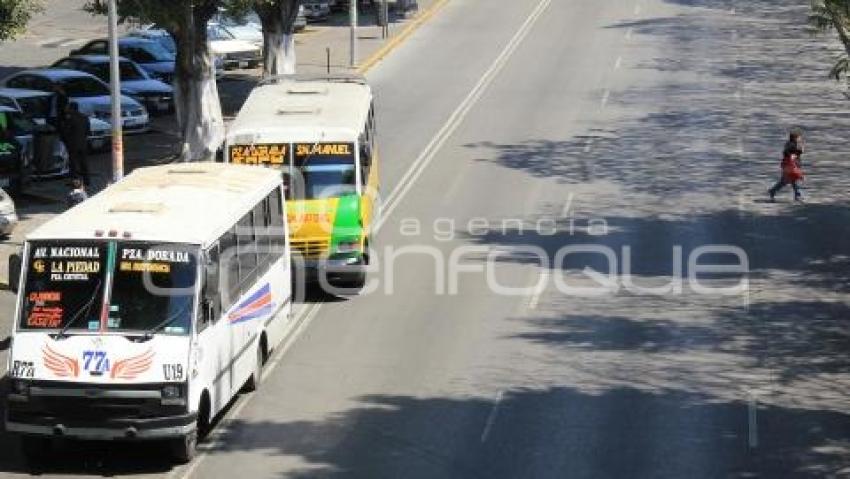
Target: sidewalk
45	200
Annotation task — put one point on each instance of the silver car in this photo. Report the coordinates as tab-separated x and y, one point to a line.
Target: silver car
38	105
87	91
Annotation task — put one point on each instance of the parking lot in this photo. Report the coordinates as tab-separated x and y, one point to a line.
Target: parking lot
65	27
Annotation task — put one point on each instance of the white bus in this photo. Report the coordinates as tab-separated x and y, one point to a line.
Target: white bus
142	311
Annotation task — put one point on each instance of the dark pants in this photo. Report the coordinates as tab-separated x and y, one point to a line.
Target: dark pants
80	164
798	192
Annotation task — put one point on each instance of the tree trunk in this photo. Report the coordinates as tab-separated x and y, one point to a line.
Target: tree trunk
196	97
278	19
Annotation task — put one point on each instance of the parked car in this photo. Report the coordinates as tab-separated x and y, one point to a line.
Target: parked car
38	107
317	10
8	216
42	153
235	53
301	19
89	92
13	165
135	82
344	5
159	35
149	54
247	28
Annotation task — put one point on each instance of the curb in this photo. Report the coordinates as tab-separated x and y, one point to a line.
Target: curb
398	39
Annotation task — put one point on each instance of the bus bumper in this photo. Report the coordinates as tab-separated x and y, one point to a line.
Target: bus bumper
97	418
332	269
139	430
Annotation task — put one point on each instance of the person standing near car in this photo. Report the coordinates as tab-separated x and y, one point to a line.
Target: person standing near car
60	99
75	133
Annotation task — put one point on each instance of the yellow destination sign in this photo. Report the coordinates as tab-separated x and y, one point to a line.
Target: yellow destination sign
258	154
323	149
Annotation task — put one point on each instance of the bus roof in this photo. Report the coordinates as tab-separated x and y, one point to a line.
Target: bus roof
186	203
296	108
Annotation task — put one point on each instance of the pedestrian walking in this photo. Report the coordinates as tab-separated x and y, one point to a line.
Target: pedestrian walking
77	194
75	133
791	167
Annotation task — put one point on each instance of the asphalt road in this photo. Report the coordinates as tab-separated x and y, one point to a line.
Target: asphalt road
513	129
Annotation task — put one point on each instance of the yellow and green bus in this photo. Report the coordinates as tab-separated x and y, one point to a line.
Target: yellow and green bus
320	132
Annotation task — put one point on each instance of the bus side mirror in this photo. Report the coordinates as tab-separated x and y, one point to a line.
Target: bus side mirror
366	153
208	312
211	279
14	271
209	300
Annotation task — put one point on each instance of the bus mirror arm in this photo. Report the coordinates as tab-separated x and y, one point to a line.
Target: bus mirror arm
207	310
14	271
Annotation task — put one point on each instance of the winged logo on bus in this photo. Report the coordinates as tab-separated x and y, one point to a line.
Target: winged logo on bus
59	364
131	367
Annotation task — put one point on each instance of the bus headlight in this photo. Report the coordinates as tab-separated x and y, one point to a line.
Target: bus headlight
348	247
173	395
20	390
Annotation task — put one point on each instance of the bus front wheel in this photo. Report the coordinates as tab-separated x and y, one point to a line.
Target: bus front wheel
256	378
184	448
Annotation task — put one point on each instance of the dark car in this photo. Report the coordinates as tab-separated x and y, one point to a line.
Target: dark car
12	165
159	35
317	10
150	55
135	82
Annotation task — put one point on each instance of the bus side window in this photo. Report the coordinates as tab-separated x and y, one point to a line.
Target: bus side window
247	251
261	233
229	268
372	127
277	224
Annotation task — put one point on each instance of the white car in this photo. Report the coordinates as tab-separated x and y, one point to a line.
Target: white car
89	93
8	216
247	28
235	53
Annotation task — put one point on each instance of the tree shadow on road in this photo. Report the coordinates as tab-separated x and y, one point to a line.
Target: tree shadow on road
551	432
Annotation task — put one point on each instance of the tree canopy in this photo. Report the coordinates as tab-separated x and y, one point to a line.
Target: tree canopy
834	15
14	16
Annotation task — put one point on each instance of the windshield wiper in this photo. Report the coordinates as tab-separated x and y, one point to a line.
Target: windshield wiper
84	308
165	323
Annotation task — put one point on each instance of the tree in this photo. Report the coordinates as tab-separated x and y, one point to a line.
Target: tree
14	16
195	90
278	20
828	15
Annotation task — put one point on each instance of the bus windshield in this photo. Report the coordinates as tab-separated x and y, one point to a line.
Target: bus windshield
153	287
327	181
327	170
64	284
109	286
